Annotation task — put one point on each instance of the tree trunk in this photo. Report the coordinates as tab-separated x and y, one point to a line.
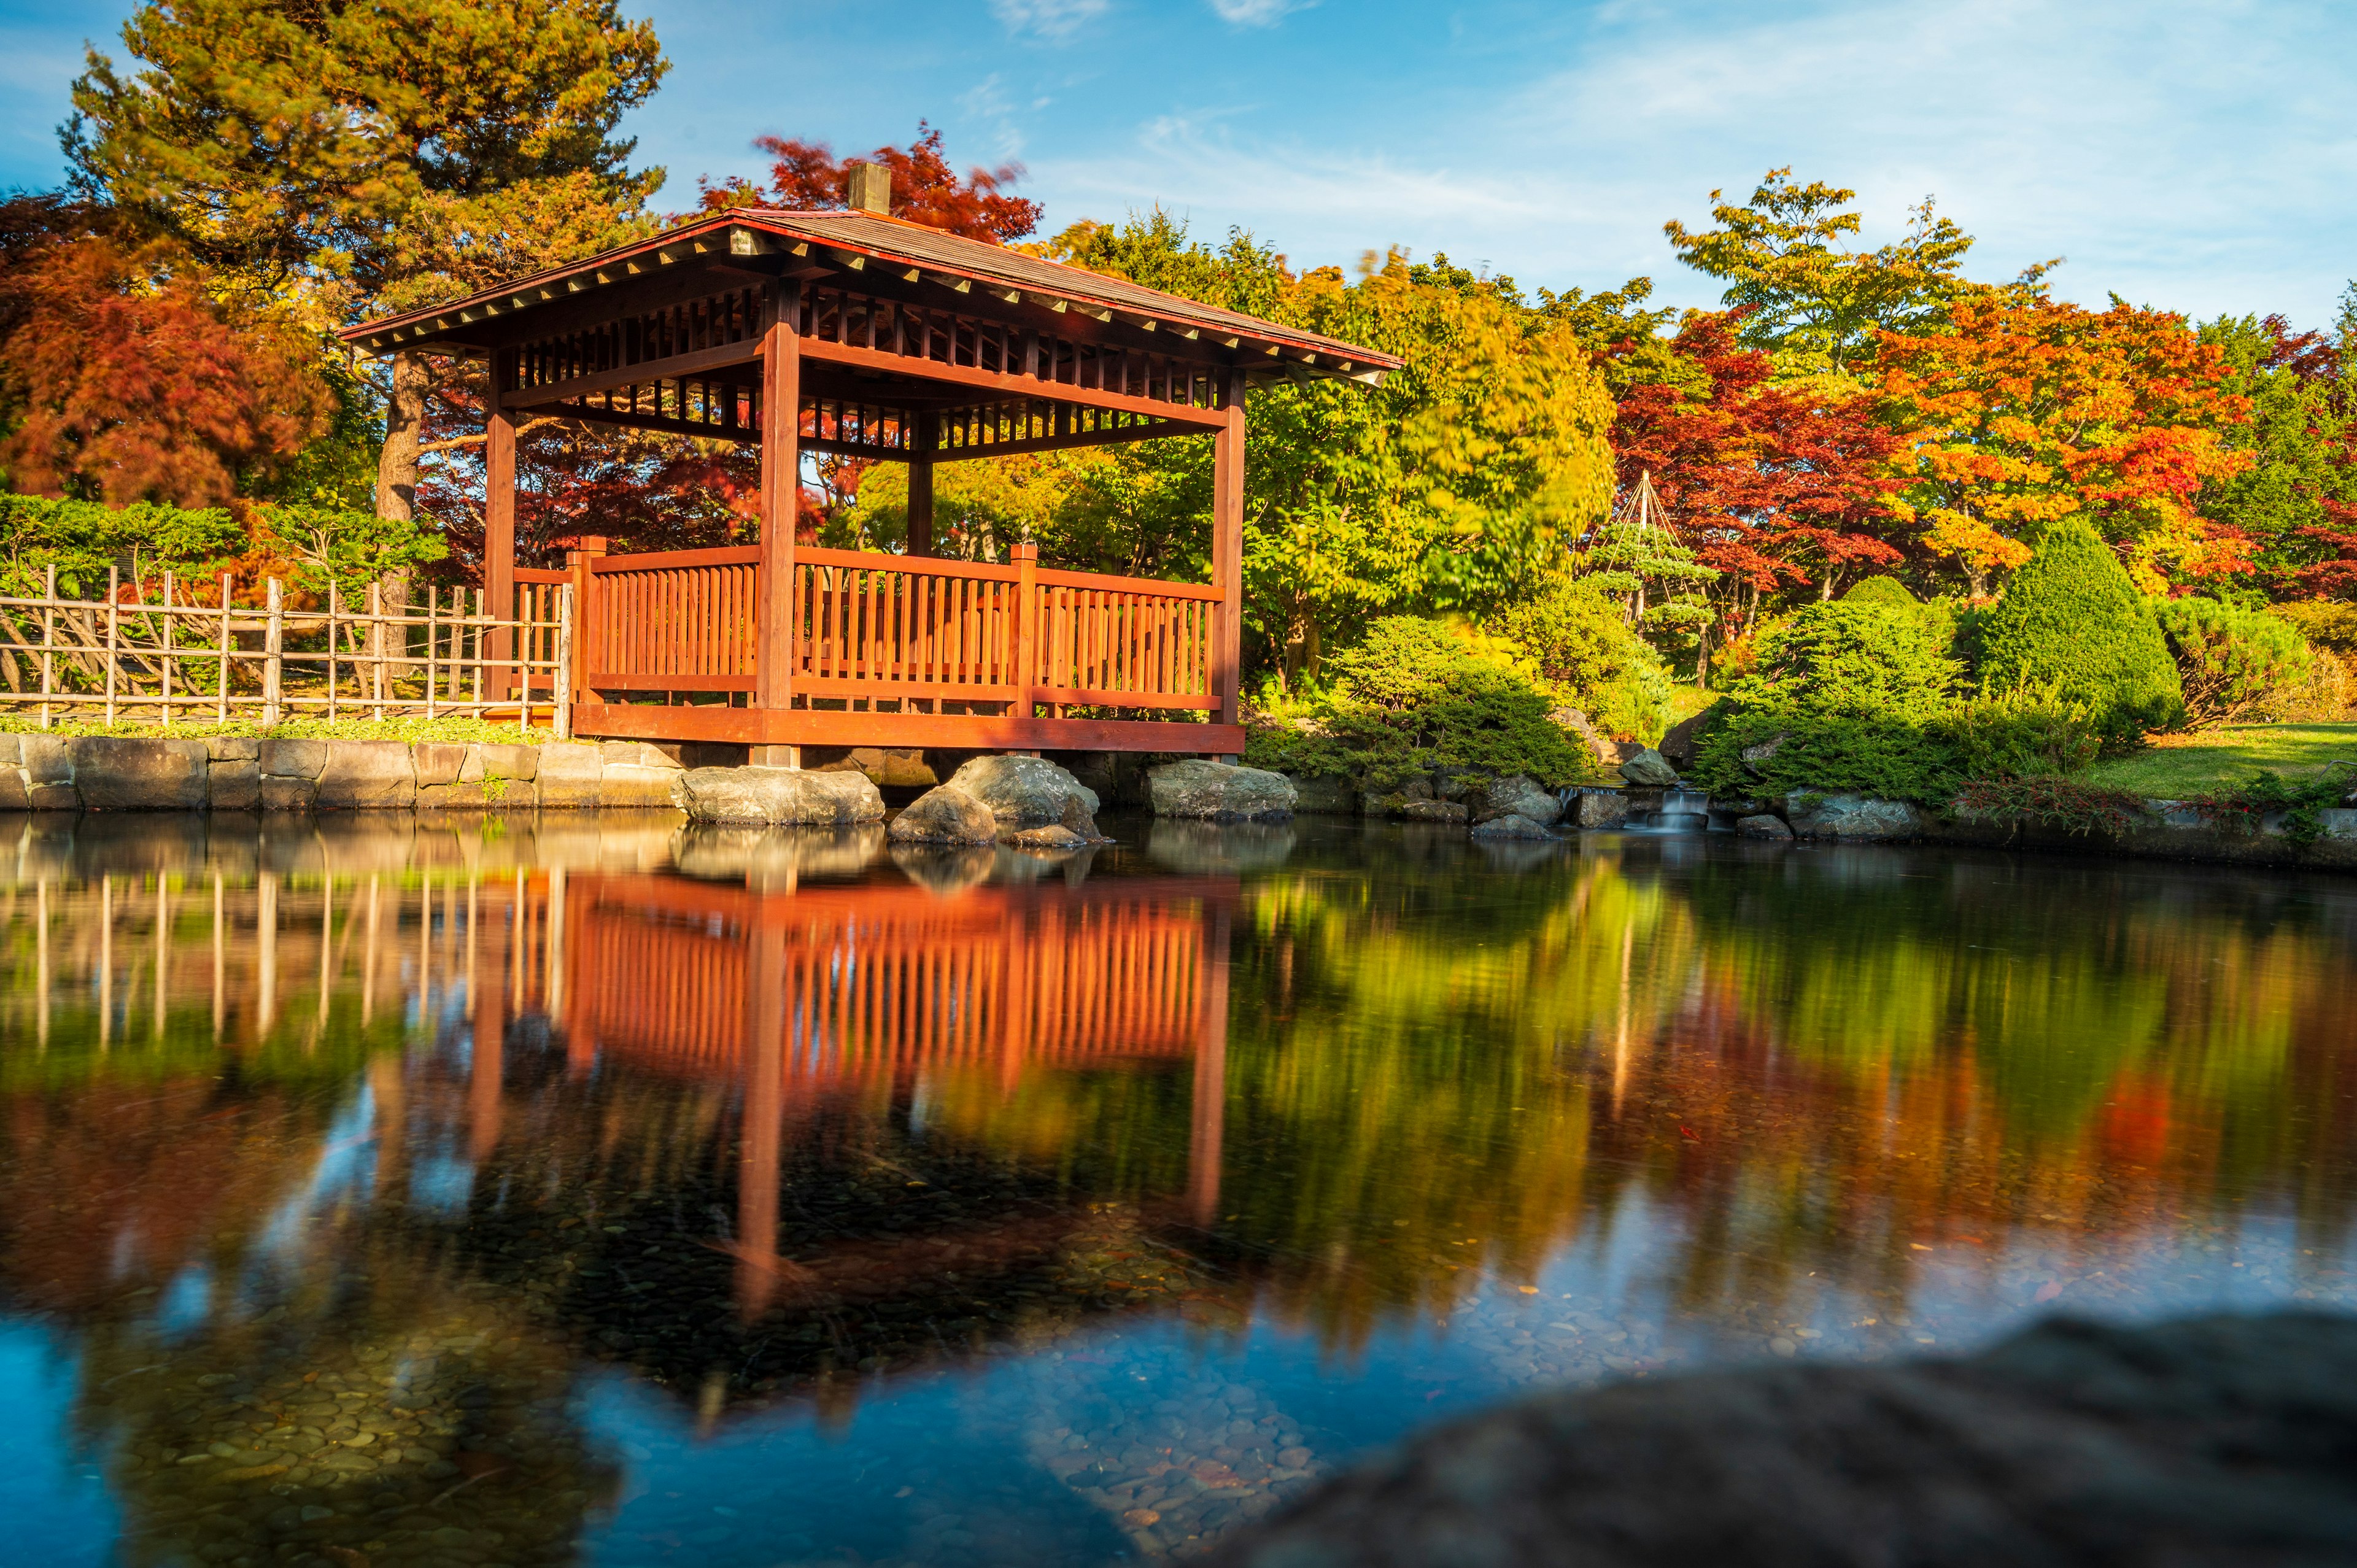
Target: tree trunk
396	469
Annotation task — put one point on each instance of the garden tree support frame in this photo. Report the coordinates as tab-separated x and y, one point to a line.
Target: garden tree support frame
859	333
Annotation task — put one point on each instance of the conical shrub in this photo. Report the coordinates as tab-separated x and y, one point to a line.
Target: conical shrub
1879	591
2070	615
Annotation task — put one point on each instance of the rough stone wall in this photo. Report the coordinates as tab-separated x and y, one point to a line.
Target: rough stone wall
104	773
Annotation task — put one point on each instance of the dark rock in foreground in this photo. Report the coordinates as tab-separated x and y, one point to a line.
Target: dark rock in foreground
2216	1441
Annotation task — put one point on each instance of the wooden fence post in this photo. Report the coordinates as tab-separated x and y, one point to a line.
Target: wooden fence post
575	614
274	646
566	600
113	586
166	699
376	647
48	638
333	710
220	699
1027	628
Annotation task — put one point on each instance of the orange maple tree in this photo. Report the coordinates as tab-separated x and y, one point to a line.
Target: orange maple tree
2023	410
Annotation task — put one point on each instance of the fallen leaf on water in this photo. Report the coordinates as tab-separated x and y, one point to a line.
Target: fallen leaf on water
1686	1131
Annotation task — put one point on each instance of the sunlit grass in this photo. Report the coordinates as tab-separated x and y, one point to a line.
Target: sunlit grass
2176	765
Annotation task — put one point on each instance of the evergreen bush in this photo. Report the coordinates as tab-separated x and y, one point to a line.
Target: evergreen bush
1580	642
1865	659
1416	696
2228	659
1879	591
2071	617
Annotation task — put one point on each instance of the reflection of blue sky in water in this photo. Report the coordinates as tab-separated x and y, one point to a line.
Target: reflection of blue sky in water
53	1504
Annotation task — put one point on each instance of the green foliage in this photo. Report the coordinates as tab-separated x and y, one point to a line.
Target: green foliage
2301	423
1416	696
2071	617
2325	623
2023	732
2243	808
2074	807
1864	658
1877	753
1582	647
1880	590
348	548
2230	660
83	539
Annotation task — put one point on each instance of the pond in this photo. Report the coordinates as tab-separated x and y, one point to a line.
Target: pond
602	1191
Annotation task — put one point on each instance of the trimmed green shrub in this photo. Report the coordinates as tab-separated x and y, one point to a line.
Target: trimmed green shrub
1415	696
2230	660
1866	659
1799	748
1580	640
1878	591
2026	732
2071	617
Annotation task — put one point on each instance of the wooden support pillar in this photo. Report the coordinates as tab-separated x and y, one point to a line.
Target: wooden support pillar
781	398
498	520
1228	550
582	563
920	485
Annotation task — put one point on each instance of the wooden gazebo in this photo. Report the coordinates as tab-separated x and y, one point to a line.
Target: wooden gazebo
857	333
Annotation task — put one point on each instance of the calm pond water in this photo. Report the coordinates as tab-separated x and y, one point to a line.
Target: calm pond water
373	1194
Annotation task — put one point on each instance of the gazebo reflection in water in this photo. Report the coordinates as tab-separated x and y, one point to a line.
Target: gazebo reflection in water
791	998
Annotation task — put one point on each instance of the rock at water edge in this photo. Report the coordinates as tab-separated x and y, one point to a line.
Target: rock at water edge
944	815
1857	819
1519	797
1220	791
1324	795
140	775
782	795
366	775
1763	827
1510	827
1022	791
1600	809
2219	1439
1055	835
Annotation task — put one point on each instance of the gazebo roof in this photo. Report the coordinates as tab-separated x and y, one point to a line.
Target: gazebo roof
852	241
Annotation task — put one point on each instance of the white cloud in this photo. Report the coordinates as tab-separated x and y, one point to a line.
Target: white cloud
1048	18
1257	13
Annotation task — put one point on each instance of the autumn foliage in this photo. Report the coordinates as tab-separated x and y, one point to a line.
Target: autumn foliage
2025	411
130	384
807	176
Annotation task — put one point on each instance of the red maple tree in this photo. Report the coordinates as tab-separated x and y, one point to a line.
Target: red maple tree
1775	485
808	177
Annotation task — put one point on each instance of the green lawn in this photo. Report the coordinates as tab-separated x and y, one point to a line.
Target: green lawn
2178	766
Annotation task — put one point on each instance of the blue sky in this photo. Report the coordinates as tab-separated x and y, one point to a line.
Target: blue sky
2198	157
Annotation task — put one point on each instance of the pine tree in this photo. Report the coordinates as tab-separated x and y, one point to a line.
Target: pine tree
2070	615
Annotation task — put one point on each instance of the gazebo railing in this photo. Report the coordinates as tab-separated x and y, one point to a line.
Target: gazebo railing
872	627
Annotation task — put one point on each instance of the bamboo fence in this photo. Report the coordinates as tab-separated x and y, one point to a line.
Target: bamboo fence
132	658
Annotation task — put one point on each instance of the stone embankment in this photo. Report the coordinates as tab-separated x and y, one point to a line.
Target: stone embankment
105	773
2214	1440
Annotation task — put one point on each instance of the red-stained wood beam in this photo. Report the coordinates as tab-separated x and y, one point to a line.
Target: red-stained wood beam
1011	386
498	524
781	493
675	367
1228	553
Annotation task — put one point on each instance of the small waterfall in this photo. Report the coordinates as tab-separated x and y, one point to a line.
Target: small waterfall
1681	810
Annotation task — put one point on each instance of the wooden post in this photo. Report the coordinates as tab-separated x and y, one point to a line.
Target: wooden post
221	696
778	630
167	662
49	639
1027	627
376	647
578	622
1228	550
567	653
114	624
274	646
920	485
334	711
499	508
433	634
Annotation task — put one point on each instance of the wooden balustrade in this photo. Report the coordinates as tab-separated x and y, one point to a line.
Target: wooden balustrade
901	629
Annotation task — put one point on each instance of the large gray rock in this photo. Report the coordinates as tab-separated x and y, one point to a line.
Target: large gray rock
1510	827
1856	819
779	795
570	775
233	786
1600	809
366	775
1580	727
140	775
1764	826
1650	768
944	815
1022	791
1516	796
293	758
639	784
2214	1442
1054	836
1220	791
1452	812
